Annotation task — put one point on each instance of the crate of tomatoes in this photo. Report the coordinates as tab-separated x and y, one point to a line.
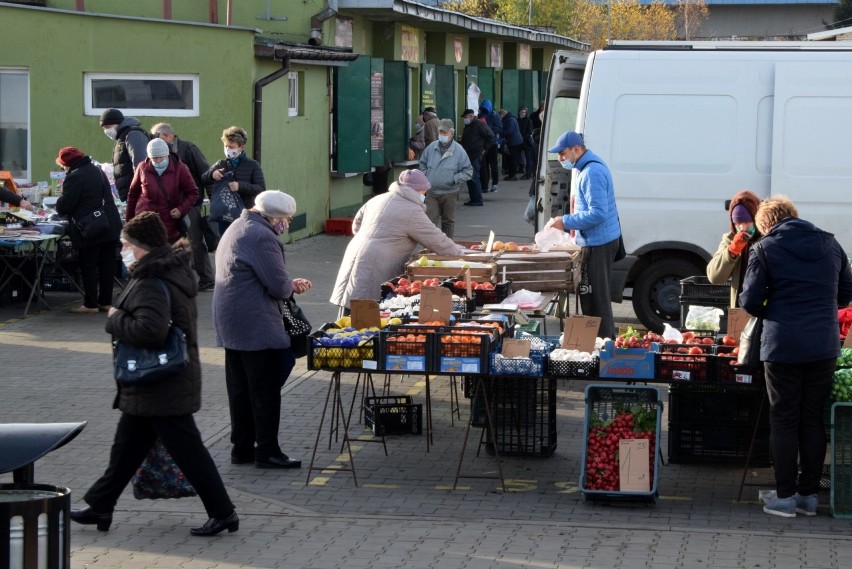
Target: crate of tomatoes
693	360
621	431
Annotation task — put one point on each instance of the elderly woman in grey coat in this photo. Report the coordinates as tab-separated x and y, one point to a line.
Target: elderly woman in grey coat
387	229
251	283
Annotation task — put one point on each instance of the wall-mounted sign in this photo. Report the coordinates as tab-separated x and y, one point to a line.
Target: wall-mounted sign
427	86
410	43
343	32
377	105
524	60
496	56
458	48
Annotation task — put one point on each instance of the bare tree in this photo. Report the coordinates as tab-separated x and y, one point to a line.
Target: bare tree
689	16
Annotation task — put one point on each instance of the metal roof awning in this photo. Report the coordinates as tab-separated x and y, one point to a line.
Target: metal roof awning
308	55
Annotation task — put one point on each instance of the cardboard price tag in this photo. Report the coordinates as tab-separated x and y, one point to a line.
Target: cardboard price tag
634	470
737	319
365	314
490	242
580	332
436	303
515	349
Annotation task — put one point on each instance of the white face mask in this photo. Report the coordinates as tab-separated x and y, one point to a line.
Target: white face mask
128	258
422	198
232	152
111	132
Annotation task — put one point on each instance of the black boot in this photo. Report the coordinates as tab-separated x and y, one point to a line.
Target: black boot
216	526
88	516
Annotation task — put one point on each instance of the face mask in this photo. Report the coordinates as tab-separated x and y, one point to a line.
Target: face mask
422	198
232	152
160	167
128	258
280	227
751	230
443	138
466	121
567	164
111	132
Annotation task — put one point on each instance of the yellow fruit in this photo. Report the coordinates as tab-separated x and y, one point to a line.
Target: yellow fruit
511	246
423	261
497	246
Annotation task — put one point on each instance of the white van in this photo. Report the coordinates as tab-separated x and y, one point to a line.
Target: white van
685	125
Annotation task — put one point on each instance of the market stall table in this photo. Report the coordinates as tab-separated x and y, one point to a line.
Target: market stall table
17	249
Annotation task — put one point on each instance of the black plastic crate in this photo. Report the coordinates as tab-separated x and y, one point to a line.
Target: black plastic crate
728	371
408	349
393	415
495	296
676	364
60	282
523	411
329	357
569	368
460	353
699	288
715	423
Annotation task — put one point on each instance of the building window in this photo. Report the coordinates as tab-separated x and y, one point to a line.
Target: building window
142	94
15	122
294	106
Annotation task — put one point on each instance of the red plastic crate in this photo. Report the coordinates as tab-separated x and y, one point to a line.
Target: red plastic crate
338	226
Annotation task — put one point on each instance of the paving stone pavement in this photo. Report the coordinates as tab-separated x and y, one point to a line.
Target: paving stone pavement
404	511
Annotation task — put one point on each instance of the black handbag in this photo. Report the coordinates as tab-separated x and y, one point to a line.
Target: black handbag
93	225
749	353
135	365
621	253
297	325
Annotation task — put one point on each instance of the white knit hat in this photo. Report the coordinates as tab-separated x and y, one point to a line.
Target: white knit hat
158	147
274	203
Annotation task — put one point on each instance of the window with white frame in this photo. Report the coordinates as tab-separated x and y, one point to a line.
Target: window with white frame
15	122
294	106
142	94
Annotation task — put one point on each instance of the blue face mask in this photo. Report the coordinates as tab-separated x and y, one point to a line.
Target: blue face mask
443	138
160	167
567	164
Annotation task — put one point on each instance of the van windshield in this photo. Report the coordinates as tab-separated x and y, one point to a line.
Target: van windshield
563	116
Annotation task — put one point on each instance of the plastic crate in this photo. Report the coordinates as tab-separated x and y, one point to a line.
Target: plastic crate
531	366
699	288
60	282
676	364
715	423
523	414
841	460
462	353
408	349
393	415
322	355
538	342
628	364
603	403
728	371
338	226
495	296
568	368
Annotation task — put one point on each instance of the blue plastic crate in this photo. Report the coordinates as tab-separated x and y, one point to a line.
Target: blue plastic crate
532	366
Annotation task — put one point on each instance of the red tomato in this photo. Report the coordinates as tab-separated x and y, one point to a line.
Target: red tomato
729	341
695	350
707	340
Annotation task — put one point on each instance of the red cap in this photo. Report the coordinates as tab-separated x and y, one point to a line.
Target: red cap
69	155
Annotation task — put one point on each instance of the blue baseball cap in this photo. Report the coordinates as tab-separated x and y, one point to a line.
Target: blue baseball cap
567	140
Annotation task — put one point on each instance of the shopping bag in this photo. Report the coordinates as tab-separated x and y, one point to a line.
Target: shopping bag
749	354
225	205
298	327
160	478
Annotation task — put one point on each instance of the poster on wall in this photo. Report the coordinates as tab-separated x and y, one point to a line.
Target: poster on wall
524	61
377	104
343	32
473	93
496	56
427	86
410	45
458	49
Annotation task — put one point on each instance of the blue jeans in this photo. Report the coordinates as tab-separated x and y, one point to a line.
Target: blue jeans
474	185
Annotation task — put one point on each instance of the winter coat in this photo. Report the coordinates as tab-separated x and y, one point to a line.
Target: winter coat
525	126
492	119
805	280
85	189
247	173
446	169
251	282
195	160
387	230
130	150
430	131
476	138
724	266
142	319
145	193
511	132
595	215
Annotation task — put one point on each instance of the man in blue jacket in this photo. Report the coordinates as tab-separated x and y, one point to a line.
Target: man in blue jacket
489	162
594	217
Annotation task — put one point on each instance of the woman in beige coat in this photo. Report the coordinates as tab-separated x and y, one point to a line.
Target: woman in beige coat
387	229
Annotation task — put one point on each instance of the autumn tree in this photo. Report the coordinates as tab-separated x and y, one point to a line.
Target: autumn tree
483	8
689	16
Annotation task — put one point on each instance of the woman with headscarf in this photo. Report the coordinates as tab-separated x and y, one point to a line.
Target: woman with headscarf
160	293
251	283
387	230
730	260
796	285
84	191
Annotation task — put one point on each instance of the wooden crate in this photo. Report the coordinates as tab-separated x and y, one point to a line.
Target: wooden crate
540	272
414	271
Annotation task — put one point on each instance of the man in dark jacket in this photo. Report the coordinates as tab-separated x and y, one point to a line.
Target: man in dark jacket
525	125
512	136
492	121
128	151
476	139
197	163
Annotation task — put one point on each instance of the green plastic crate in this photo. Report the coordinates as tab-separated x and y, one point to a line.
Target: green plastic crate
841	460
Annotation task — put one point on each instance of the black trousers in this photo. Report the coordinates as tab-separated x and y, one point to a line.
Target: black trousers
489	166
797	397
97	267
595	296
134	437
254	380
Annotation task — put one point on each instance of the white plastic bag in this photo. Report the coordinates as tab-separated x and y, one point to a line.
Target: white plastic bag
550	237
525	298
703	318
670	333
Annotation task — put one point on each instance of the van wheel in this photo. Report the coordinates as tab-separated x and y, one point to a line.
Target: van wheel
656	292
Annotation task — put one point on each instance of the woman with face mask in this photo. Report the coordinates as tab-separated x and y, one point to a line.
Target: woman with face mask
251	283
241	173
162	184
387	229
730	260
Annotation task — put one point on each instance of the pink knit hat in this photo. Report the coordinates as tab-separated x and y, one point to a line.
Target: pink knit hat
415	179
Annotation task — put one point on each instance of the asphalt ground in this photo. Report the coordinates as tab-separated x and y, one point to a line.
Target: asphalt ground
404	510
